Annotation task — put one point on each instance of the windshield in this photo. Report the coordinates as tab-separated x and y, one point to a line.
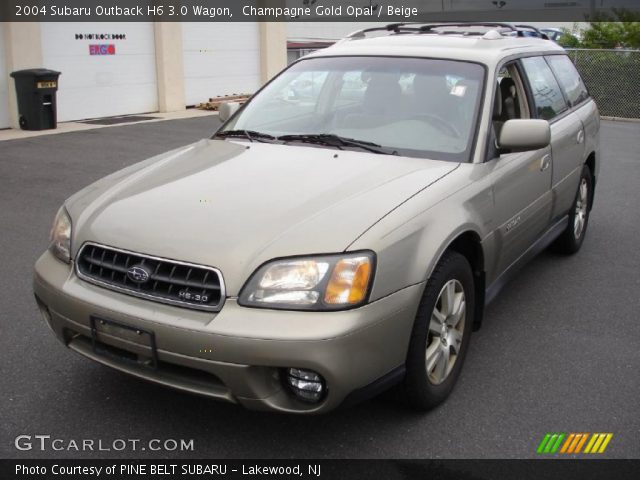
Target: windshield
414	106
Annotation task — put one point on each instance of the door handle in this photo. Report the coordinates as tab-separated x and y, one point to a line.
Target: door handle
545	162
580	137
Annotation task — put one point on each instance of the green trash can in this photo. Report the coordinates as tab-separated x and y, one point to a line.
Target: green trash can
36	92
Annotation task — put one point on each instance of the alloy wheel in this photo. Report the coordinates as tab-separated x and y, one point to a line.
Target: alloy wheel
582	202
446	328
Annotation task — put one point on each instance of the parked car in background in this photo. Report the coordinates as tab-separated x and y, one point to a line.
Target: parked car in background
526	31
553	33
342	231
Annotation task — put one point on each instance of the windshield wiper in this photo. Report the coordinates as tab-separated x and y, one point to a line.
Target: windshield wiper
251	135
337	141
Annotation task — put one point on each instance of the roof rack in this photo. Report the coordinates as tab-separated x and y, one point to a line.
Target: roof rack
434	28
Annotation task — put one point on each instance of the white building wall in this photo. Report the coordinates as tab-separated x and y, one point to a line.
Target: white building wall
102	85
4	82
325	30
220	59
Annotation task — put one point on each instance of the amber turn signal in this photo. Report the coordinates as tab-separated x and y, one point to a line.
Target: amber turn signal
349	282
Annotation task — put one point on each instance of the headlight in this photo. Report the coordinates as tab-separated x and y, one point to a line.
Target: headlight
61	236
331	282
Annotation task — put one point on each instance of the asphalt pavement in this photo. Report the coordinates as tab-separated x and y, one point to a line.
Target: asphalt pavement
559	350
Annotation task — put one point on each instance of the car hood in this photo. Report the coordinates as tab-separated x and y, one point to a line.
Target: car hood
234	205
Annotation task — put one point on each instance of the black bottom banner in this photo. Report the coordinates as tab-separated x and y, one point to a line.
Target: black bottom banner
324	469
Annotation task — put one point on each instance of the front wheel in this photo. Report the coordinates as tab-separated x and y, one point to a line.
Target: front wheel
440	335
571	239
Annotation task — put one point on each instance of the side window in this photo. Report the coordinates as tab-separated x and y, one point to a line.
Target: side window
509	103
510	94
569	78
548	98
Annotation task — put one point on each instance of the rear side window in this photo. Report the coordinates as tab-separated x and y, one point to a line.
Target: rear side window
569	78
547	96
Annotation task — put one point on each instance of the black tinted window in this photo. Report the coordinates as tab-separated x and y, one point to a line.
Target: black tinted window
548	97
569	78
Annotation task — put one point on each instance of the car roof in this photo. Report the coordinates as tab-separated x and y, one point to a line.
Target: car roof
488	48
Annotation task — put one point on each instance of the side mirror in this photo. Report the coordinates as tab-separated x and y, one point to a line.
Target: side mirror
226	110
524	134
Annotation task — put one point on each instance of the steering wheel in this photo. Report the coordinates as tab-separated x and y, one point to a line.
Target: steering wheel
440	123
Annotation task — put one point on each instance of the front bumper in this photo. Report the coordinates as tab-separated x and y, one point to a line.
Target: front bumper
237	354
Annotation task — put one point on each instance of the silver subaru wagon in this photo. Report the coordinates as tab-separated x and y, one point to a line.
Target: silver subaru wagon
342	231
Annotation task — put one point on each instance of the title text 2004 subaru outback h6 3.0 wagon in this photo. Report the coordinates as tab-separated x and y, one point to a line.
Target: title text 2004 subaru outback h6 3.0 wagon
342	231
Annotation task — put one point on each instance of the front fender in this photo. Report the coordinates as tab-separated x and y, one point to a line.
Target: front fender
410	241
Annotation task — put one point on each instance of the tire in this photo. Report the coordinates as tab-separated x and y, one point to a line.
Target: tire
427	383
570	240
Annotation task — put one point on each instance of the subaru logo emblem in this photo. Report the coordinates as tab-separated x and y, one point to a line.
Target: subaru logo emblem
138	274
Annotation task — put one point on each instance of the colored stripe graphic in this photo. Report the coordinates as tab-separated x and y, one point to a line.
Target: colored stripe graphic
551	443
558	442
581	443
596	446
543	443
567	443
598	443
572	443
592	440
607	439
578	441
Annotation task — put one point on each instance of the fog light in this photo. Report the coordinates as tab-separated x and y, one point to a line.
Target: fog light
307	385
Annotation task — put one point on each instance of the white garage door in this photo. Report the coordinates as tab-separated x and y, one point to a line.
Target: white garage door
107	69
4	83
220	59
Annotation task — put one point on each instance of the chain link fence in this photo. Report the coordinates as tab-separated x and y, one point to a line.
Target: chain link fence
613	79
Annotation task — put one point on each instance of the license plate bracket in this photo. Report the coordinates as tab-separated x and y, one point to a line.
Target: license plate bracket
113	327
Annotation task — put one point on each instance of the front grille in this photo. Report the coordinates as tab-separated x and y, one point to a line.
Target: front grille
153	278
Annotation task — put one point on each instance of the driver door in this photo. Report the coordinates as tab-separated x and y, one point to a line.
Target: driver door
521	181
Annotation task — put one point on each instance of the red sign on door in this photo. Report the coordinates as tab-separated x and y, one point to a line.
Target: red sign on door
102	49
